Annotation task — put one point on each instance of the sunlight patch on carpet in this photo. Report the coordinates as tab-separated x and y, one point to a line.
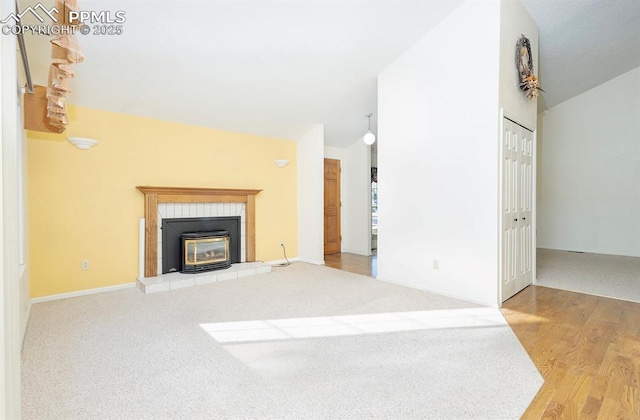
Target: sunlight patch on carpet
347	325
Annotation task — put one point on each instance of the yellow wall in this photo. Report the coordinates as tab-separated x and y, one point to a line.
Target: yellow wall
83	204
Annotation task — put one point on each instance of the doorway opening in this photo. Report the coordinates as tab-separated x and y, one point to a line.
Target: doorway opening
374	209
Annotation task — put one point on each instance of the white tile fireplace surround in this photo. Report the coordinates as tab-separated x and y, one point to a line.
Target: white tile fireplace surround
181	203
188	210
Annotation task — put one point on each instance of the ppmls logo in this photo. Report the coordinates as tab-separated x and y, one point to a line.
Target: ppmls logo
85	22
33	10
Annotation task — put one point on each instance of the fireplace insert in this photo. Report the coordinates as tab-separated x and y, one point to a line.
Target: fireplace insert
173	228
204	251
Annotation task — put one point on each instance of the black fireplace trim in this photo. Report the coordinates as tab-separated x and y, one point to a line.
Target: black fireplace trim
173	228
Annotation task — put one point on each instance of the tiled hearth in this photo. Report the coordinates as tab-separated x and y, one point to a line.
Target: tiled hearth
173	281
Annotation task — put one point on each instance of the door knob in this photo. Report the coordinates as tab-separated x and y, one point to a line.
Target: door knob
524	218
515	220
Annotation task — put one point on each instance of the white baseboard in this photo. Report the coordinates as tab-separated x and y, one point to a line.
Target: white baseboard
358	252
310	261
83	292
278	262
294	259
436	292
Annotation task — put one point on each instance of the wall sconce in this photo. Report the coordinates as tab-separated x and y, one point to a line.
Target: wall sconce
281	162
82	143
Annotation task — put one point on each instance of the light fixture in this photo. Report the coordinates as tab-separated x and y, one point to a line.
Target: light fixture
281	162
369	138
82	143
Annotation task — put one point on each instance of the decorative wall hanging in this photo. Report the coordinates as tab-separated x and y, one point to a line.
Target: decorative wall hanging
45	107
64	54
529	83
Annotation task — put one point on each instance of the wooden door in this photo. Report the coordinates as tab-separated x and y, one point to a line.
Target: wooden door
332	236
517	202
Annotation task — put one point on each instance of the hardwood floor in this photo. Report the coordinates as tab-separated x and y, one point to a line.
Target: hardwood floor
587	348
353	263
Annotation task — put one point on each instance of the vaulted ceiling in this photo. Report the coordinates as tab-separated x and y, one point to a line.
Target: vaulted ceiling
277	67
584	43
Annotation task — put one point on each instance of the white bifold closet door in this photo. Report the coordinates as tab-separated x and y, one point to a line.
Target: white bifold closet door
517	202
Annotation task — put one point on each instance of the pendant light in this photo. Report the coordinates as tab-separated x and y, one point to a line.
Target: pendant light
369	138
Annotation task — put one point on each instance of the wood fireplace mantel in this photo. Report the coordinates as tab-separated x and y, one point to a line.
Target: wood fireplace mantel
155	195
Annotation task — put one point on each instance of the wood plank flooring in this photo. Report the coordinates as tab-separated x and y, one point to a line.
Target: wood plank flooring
353	263
587	348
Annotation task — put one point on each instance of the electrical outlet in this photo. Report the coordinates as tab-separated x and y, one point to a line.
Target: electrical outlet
84	265
436	264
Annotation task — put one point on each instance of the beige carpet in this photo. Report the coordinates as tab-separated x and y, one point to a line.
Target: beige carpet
301	342
596	274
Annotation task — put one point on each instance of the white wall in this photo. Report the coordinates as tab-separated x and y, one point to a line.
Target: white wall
22	202
589	170
334	153
13	300
311	196
438	153
356	198
515	21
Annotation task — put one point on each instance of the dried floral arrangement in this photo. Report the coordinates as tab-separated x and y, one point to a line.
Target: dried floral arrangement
524	62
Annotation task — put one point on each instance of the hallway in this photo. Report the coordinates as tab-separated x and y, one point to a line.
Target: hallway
353	263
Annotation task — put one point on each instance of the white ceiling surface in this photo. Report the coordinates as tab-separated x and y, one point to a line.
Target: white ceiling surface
267	67
277	67
584	43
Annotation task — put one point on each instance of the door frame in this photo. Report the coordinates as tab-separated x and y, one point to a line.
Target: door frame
534	199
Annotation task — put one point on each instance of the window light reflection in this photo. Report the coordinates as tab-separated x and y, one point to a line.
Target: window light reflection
347	325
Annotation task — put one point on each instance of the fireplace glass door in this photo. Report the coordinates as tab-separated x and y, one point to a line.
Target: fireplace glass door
205	251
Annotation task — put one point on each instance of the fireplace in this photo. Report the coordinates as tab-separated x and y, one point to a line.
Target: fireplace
205	251
196	244
188	202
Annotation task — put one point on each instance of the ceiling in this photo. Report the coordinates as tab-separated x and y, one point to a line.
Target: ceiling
277	67
584	43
